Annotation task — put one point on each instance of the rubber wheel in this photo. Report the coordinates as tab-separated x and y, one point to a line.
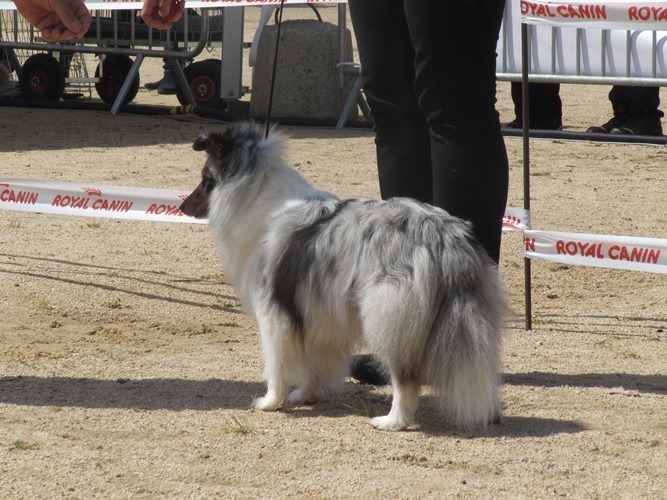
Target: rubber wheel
114	70
42	77
204	80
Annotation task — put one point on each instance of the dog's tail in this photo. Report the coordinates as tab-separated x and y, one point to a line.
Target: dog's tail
463	352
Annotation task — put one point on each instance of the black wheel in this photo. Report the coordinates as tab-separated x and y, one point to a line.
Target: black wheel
42	77
114	69
204	80
215	61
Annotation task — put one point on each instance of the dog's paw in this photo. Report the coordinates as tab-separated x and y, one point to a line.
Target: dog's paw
388	423
300	396
266	403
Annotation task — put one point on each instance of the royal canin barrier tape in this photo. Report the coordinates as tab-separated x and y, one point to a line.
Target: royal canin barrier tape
623	14
598	250
96	200
162	205
194	4
516	219
602	14
93	200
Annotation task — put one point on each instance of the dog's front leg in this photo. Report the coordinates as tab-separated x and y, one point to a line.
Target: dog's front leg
273	353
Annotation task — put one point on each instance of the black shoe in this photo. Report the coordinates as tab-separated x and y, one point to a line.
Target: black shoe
647	124
161	87
166	90
516	123
605	128
368	370
547	124
152	85
166	85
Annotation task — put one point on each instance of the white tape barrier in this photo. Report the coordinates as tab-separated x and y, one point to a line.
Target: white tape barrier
93	200
598	250
194	4
516	219
162	205
563	49
620	14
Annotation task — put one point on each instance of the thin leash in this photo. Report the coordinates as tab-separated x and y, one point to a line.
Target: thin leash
273	73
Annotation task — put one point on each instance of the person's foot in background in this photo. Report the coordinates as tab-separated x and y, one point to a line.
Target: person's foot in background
166	85
639	124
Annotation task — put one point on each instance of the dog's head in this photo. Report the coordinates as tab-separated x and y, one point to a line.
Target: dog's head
231	155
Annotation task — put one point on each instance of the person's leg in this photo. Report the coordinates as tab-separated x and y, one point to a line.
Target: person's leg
545	106
516	90
456	88
616	97
640	105
401	134
387	68
641	99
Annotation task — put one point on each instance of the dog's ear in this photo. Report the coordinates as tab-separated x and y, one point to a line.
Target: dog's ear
202	142
214	144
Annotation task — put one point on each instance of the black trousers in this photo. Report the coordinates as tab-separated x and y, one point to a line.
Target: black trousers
544	102
429	78
634	100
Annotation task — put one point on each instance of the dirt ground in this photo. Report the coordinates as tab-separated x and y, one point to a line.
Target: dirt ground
127	367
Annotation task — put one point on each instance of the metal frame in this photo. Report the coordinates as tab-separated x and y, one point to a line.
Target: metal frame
133	46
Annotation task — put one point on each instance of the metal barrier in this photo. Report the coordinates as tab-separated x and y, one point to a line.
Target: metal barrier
582	55
115	35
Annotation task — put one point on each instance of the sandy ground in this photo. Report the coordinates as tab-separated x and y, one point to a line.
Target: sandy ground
127	367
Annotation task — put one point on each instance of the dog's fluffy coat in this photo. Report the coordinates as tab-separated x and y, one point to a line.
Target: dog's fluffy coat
325	277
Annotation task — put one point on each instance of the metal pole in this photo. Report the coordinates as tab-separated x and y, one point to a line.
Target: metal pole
525	63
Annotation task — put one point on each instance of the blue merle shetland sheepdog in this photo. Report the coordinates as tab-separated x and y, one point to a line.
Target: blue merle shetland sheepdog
325	278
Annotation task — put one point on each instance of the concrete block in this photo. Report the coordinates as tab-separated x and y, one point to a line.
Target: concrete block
307	83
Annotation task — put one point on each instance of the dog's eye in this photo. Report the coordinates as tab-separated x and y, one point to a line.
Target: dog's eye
208	184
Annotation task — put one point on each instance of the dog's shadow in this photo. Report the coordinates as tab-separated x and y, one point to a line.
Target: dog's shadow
352	399
369	402
366	401
142	394
214	394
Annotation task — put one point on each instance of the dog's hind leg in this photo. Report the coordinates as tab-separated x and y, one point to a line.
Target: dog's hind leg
322	368
309	389
273	351
306	394
403	407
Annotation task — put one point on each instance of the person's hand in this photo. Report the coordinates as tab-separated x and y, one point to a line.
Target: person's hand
162	14
56	20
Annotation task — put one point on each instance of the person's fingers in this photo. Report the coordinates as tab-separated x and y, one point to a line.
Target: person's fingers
162	14
56	34
65	14
164	7
176	11
85	17
151	16
156	22
148	8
